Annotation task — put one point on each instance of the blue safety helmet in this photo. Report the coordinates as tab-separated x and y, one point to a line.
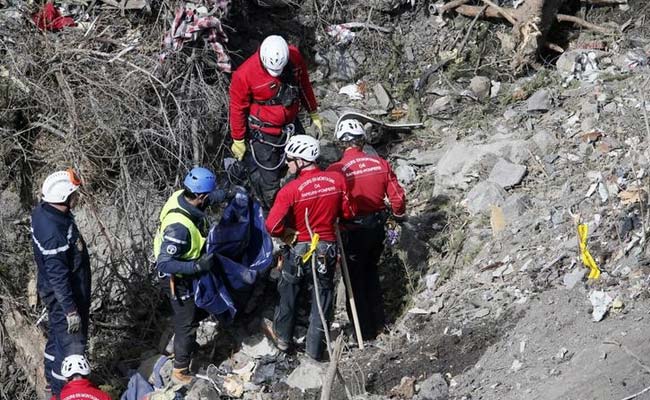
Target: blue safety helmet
200	180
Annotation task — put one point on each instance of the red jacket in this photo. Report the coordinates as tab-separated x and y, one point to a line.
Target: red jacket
82	389
251	83
370	179
323	193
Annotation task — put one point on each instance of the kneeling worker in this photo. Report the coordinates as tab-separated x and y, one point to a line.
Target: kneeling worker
322	197
370	180
180	255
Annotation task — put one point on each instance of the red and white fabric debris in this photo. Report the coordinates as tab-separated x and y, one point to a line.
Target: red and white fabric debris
49	18
193	22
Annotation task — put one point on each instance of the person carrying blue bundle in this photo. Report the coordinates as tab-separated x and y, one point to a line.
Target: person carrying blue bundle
179	249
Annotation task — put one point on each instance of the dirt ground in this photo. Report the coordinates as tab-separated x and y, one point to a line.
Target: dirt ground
563	354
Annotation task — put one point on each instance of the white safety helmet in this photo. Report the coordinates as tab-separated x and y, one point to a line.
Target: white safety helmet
59	186
350	129
304	147
274	54
75	364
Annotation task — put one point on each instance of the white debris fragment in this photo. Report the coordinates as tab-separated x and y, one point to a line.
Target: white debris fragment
600	301
352	91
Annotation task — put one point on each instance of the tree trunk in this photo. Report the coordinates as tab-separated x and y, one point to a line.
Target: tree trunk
534	20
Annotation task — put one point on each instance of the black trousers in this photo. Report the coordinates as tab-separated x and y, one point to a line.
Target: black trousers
186	320
363	248
265	178
296	275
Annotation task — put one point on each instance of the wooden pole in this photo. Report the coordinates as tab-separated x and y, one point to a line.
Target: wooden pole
328	382
348	286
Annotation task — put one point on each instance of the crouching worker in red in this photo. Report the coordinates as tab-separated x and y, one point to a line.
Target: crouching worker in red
322	196
75	369
370	181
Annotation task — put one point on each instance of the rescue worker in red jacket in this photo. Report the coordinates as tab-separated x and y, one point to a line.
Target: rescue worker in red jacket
321	197
370	181
75	369
266	93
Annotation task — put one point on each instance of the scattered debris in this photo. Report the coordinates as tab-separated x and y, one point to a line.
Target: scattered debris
600	301
49	18
405	389
193	22
308	375
353	91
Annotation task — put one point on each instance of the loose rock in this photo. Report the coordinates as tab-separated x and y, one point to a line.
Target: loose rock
258	346
571	279
600	301
507	174
483	195
480	86
405	389
540	101
308	375
382	96
433	388
405	174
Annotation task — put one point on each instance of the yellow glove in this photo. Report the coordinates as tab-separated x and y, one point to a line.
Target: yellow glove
318	123
238	149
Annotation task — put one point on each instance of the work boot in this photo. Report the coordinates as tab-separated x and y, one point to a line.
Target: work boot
269	332
181	376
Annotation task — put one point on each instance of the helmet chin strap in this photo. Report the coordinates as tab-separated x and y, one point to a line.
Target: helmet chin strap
305	163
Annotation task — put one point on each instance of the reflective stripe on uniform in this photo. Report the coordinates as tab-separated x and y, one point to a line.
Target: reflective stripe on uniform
48	356
59	377
50	252
80	396
174	240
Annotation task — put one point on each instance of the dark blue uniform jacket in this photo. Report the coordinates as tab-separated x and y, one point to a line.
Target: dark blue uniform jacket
62	259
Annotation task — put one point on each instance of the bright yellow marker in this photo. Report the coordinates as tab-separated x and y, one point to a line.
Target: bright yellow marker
312	247
585	256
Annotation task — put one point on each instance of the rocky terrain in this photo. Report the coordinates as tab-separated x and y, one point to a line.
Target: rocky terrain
487	293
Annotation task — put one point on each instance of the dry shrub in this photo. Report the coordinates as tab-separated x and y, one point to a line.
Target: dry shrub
97	98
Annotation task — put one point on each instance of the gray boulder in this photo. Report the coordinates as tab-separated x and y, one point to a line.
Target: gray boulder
433	388
539	101
484	195
507	174
480	86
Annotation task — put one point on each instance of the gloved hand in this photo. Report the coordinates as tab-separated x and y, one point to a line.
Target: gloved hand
238	149
318	123
204	263
74	322
217	196
289	236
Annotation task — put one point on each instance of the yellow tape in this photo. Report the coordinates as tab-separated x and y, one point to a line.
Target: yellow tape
312	247
585	256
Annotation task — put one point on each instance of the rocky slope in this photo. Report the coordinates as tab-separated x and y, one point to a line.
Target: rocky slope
487	295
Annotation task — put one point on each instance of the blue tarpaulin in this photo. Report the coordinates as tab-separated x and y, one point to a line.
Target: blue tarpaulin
243	248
